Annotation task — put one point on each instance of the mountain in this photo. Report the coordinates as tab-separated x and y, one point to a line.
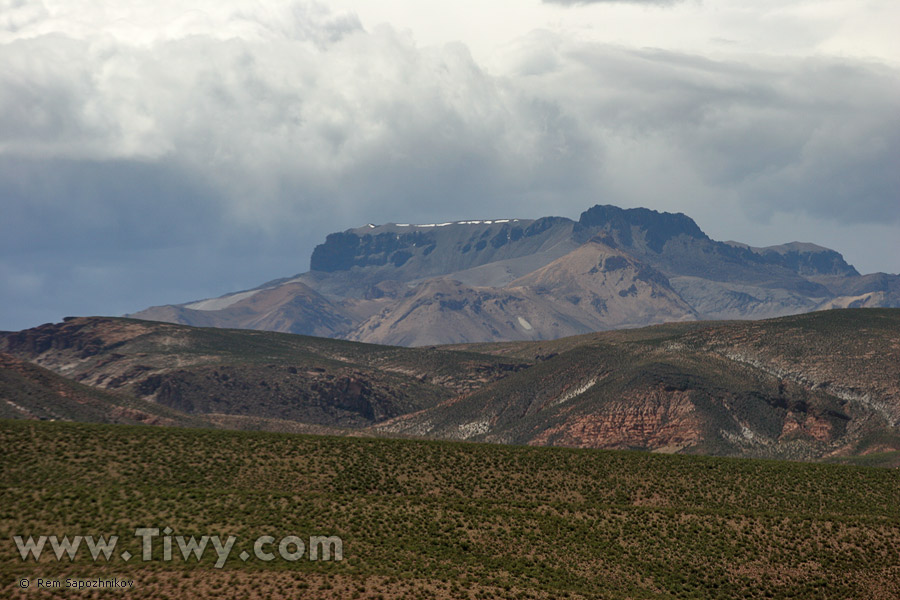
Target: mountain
585	289
520	279
823	385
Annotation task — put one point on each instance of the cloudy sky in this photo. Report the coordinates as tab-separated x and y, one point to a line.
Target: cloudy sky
161	152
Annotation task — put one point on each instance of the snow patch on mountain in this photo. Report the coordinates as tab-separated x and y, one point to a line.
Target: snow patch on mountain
220	302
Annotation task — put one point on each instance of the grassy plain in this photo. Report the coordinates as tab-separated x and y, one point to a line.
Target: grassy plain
422	519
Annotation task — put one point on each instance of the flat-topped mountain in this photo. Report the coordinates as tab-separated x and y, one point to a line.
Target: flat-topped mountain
519	279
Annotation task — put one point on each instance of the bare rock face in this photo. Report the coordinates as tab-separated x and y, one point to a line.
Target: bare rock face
609	287
520	279
658	419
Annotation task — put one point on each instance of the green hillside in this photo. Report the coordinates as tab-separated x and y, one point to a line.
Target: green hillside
253	379
446	520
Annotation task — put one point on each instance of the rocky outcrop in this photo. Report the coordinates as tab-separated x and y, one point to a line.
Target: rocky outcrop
807	259
657	419
636	226
413	251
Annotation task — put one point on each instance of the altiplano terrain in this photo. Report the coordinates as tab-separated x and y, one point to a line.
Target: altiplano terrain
817	386
420	519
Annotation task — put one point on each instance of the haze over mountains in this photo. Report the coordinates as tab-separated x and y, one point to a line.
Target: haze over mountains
517	279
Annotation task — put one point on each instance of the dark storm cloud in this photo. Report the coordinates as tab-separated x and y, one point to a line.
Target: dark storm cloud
88	237
253	171
61	205
367	123
73	231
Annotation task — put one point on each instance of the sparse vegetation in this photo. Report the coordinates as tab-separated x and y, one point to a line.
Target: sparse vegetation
451	520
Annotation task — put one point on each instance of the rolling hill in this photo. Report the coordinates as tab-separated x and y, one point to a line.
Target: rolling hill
817	386
253	378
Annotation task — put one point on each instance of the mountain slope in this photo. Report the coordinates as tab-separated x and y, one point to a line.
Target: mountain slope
611	286
804	387
28	391
591	288
252	375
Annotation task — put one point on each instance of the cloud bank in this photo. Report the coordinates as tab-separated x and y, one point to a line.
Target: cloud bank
165	155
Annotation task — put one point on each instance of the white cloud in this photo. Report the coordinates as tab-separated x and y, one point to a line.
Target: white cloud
282	112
